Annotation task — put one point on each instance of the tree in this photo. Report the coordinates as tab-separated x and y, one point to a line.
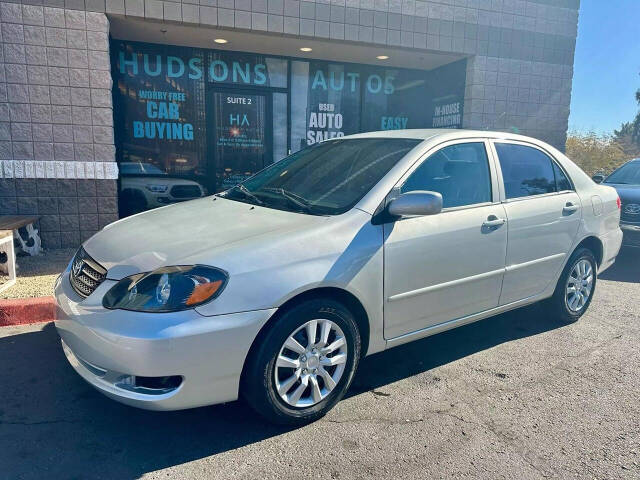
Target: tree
604	153
628	137
630	131
595	153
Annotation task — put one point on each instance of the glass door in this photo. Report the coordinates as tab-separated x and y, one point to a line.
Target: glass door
240	143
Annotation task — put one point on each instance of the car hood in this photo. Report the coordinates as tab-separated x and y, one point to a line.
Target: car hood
628	193
158	179
187	233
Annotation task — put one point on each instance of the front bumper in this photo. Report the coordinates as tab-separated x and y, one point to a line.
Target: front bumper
107	347
631	235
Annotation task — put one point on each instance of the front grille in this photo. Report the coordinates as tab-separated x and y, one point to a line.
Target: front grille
86	273
185	191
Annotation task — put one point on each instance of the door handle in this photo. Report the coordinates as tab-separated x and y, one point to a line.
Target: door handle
570	207
494	222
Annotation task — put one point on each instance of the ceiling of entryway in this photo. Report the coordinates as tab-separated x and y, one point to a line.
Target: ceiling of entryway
275	44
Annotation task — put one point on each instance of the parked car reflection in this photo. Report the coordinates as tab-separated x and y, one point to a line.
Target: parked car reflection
144	186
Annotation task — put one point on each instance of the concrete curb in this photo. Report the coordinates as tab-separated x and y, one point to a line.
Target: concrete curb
22	311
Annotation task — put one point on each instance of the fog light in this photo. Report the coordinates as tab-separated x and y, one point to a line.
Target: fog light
159	383
149	385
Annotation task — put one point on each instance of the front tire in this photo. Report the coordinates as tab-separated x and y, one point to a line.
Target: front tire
575	287
304	364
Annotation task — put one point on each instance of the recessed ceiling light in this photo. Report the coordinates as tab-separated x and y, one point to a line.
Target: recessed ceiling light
305	49
221	40
382	57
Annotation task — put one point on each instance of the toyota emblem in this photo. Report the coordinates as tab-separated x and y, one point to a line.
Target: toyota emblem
632	209
77	267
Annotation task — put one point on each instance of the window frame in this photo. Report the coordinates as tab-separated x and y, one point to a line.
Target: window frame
494	183
498	166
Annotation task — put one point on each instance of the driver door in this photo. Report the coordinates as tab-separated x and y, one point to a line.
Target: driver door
450	265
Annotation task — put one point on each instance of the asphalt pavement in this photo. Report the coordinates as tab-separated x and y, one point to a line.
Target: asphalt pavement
519	396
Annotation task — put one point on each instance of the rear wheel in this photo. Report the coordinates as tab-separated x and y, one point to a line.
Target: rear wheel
575	287
304	364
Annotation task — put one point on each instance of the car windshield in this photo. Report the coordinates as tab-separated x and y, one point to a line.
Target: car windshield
135	168
326	179
626	174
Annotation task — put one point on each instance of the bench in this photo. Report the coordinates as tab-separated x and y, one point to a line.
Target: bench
26	237
7	259
17	233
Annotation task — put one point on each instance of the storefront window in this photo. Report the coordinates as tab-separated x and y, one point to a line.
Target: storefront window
446	86
395	99
331	100
159	108
327	102
246	69
279	126
200	120
240	136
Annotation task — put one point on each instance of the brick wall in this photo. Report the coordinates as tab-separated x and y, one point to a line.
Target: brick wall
57	154
70	210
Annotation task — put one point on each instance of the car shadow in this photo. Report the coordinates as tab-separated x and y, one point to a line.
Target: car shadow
52	421
626	268
428	353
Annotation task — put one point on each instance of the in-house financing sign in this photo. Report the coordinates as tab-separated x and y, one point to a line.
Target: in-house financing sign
448	115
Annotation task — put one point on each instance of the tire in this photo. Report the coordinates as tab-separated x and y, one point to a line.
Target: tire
559	305
263	369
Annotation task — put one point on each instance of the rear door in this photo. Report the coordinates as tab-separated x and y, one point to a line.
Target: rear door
543	216
443	267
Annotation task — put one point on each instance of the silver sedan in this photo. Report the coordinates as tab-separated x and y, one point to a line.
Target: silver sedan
275	289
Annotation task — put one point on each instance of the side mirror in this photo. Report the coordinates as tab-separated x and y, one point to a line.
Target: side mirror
416	203
599	178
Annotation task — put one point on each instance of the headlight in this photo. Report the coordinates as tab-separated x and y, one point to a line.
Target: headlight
157	188
167	289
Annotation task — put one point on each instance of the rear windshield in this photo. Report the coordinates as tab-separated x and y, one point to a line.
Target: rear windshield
626	174
326	179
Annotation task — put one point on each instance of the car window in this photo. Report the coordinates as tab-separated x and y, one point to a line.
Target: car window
562	182
459	172
629	174
526	170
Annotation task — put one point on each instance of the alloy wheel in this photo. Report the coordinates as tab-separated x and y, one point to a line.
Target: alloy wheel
579	285
310	363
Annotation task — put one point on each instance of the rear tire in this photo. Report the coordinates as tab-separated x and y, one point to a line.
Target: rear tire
317	378
575	287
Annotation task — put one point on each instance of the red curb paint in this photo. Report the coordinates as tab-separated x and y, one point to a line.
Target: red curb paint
22	311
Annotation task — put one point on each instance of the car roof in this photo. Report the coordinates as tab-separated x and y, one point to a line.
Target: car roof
445	133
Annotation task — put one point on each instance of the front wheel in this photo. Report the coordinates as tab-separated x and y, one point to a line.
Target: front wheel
305	363
575	287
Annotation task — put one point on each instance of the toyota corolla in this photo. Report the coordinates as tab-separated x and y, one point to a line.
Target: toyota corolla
275	289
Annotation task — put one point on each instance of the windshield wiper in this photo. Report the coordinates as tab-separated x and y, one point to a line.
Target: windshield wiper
248	193
292	197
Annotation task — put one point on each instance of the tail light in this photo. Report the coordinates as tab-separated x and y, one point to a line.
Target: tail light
619	203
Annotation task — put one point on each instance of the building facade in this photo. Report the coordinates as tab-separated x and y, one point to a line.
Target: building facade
108	107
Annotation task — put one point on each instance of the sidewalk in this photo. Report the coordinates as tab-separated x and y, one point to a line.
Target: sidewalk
30	299
36	275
